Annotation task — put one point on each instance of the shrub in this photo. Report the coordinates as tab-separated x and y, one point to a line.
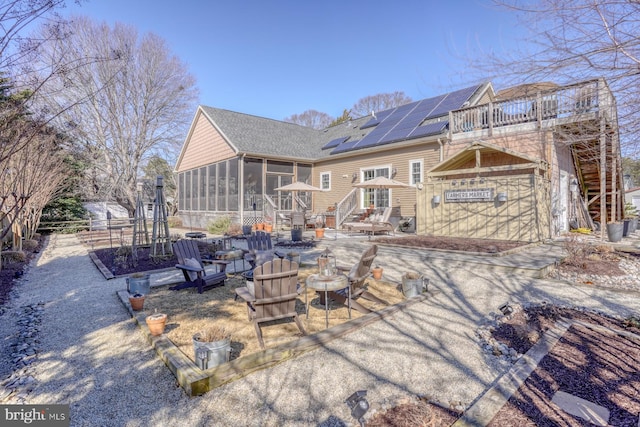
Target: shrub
578	251
29	245
234	229
174	221
212	333
14	256
219	226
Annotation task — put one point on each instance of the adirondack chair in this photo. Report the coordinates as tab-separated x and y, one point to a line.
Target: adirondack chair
192	266
357	275
274	296
260	249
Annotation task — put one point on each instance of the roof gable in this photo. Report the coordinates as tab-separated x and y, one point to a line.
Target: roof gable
468	158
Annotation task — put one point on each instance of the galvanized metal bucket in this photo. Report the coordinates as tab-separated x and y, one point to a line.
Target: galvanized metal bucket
413	284
212	354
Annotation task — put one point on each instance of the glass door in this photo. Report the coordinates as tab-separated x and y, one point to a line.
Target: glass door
282	199
378	197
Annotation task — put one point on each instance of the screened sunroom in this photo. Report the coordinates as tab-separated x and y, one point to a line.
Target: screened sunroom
242	188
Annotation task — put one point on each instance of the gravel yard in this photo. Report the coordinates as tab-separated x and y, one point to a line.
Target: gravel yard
88	353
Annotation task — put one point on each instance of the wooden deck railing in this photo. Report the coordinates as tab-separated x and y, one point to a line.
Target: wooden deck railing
563	102
346	206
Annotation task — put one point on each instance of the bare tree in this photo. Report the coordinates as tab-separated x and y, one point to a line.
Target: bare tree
311	118
122	111
15	16
572	40
35	174
379	102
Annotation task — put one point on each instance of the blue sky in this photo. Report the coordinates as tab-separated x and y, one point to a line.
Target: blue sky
278	58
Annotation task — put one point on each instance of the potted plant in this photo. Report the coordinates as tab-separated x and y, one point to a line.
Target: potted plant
212	346
136	301
156	323
319	223
260	226
631	214
268	228
377	272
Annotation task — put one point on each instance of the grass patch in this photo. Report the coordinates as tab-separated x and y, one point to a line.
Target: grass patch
189	312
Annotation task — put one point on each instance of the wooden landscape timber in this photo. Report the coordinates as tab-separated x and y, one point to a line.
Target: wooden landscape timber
196	382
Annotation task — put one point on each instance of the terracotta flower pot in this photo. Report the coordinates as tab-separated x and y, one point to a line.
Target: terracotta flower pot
319	233
156	323
137	302
260	226
268	228
377	273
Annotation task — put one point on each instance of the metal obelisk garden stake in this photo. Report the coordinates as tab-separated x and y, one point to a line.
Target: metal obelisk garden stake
160	240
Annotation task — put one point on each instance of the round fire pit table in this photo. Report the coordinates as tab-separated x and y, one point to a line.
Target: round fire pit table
328	284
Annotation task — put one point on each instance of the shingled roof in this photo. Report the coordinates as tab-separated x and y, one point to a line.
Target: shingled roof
261	136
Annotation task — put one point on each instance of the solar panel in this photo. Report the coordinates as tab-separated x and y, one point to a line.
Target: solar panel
345	146
453	101
430	129
377	119
403	122
335	142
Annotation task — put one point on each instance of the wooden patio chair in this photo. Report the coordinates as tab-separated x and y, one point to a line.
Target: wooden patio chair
357	276
192	266
275	294
260	249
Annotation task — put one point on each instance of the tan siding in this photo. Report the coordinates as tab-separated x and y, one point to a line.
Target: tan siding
485	99
342	172
530	144
205	146
523	217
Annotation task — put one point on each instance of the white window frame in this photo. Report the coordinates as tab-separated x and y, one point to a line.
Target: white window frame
322	175
389	169
411	163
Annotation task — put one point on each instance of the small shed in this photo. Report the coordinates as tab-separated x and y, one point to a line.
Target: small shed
486	192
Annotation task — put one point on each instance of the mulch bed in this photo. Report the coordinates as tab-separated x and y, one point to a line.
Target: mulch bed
120	265
601	367
452	243
12	270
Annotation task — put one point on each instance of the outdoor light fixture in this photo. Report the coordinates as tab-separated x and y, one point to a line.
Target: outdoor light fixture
506	309
472	181
358	405
573	187
481	180
463	182
354	176
394	171
453	182
502	197
436	199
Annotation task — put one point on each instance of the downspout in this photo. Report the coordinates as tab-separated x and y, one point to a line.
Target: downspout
441	150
